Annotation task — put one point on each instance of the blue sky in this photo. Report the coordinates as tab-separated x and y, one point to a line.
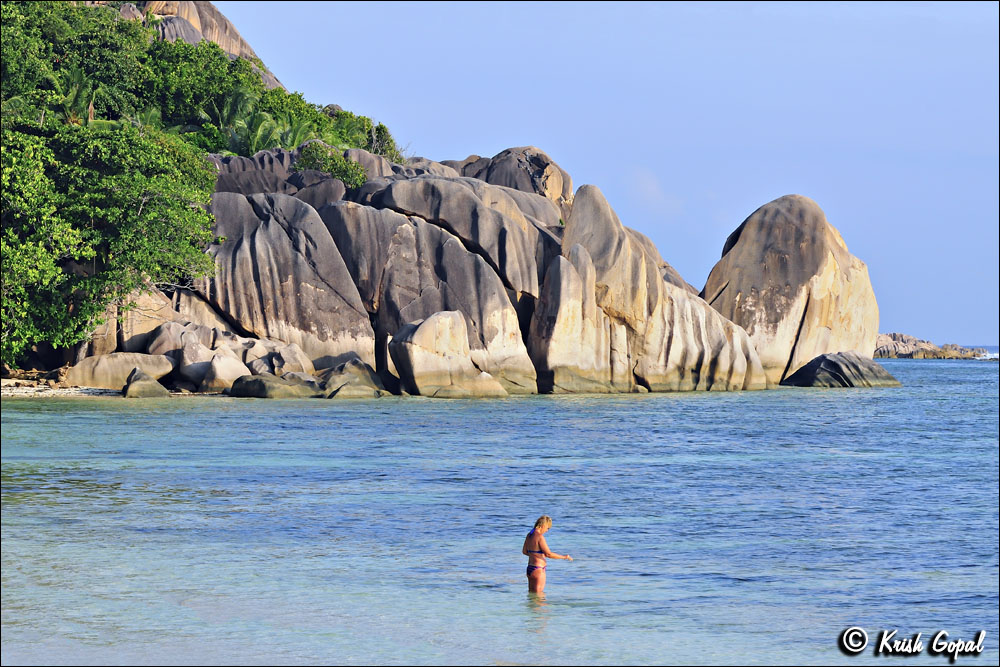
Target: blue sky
690	116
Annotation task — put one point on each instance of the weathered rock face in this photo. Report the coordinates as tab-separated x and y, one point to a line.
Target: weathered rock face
418	166
841	369
639	330
901	346
128	329
527	169
787	278
432	357
322	193
110	371
508	242
407	270
266	172
570	337
272	171
195	360
375	166
280	276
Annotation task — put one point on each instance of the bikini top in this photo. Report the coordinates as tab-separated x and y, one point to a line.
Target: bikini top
529	550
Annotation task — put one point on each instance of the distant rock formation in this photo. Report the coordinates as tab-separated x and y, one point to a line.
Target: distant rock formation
787	278
433	358
841	369
407	269
901	346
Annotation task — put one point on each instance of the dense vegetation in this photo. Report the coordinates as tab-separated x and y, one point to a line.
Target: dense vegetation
105	184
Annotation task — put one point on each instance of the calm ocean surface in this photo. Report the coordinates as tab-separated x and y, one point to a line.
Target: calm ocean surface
717	528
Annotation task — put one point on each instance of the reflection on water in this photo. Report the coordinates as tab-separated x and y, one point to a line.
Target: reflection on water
717	527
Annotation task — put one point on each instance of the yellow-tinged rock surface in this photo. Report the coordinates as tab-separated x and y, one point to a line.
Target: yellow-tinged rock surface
787	278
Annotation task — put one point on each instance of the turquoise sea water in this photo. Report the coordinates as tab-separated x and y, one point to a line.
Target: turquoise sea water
718	528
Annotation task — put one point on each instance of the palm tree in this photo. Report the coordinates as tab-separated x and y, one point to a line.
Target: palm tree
255	132
293	132
75	96
236	106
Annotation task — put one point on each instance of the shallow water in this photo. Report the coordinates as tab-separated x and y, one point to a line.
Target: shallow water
716	528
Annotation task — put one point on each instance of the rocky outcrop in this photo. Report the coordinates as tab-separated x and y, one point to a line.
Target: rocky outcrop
141	385
406	270
841	369
527	169
419	166
638	330
901	346
279	275
267	171
570	337
485	277
432	358
507	241
111	371
787	278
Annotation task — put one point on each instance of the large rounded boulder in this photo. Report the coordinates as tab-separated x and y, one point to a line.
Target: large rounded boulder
787	278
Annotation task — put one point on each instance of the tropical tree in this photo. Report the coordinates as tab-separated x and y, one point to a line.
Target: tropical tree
91	214
293	131
255	132
74	96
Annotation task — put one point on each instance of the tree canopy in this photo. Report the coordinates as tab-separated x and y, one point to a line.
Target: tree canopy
105	184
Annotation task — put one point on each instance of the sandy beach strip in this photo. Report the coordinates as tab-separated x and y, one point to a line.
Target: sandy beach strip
43	391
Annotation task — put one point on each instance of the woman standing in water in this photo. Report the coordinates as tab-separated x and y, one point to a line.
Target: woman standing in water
537	551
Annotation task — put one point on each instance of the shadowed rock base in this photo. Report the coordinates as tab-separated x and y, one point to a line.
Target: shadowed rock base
841	369
270	386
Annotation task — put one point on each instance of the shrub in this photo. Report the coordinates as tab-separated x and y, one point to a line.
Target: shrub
321	157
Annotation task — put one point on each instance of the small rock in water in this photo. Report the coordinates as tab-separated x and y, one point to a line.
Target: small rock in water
841	369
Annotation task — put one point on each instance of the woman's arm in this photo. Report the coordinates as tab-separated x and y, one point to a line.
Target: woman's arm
524	547
551	554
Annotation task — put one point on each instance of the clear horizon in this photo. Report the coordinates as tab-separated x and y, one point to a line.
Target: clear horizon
691	116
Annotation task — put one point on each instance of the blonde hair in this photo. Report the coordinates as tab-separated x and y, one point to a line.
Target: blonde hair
543	521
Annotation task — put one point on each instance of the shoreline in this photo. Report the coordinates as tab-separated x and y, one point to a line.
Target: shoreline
42	389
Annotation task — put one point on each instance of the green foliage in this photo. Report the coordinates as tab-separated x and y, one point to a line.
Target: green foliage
321	157
352	131
254	132
24	59
36	241
188	81
89	216
104	181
